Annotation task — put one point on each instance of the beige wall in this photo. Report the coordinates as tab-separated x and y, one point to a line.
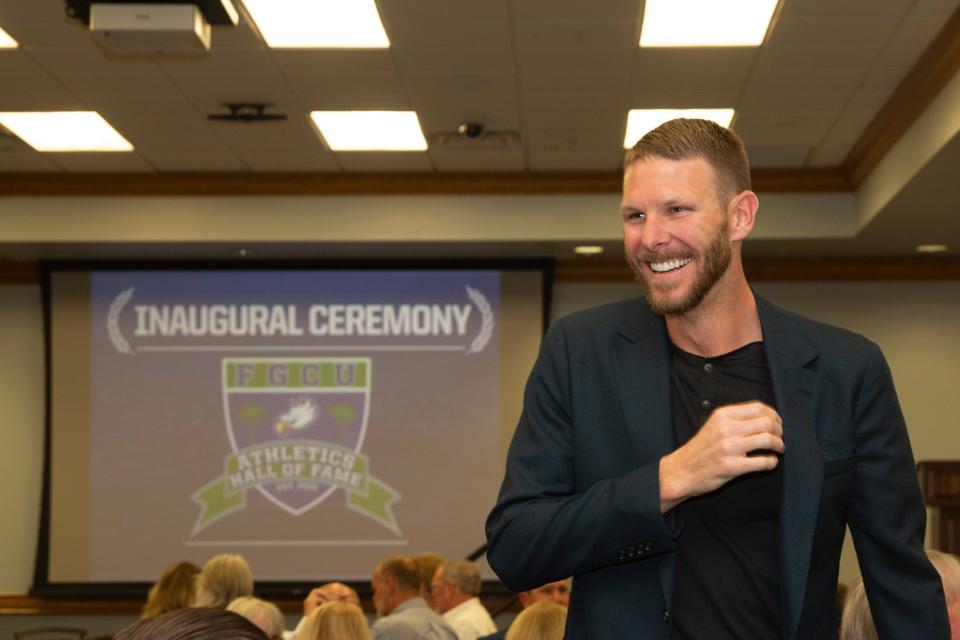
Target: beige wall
916	324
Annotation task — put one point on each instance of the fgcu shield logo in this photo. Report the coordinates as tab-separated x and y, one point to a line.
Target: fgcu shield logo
295	427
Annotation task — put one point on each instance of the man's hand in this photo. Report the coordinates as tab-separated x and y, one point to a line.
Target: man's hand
736	439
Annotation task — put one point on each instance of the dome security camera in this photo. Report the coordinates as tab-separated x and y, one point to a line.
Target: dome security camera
470	129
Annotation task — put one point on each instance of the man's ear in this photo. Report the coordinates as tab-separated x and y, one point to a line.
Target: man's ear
741	214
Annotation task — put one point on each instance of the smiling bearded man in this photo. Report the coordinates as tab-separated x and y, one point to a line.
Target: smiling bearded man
695	460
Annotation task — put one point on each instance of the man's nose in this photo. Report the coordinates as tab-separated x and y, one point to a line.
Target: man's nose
654	234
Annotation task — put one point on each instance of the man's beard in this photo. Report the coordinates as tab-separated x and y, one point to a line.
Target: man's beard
715	261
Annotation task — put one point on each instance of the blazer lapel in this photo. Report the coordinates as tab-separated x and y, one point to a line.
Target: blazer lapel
796	390
642	365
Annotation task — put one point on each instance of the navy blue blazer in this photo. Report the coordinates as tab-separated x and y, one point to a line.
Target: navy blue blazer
581	491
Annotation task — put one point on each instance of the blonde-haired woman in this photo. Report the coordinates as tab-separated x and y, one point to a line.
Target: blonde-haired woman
174	589
336	621
224	578
542	621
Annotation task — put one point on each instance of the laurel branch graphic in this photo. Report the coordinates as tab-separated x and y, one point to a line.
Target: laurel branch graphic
113	321
486	315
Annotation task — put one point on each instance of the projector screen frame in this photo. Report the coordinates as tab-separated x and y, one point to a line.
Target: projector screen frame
42	586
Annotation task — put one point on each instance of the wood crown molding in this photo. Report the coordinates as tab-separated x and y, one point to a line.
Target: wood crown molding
938	64
382	183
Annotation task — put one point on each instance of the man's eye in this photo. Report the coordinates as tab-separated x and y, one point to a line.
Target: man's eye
636	215
675	210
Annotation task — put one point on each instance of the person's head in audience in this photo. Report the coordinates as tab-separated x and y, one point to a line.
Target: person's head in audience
264	614
558	592
857	622
223	578
455	582
174	589
204	623
428	563
540	621
329	592
395	580
336	621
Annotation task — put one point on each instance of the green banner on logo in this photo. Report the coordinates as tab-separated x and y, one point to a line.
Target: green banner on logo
307	461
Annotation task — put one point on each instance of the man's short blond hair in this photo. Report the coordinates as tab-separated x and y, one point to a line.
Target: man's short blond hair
685	138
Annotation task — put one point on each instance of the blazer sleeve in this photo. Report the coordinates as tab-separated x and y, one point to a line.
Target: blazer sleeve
544	526
887	517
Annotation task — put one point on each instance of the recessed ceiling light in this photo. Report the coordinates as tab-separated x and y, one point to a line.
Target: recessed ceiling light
303	24
931	248
370	130
64	131
6	42
705	23
588	250
639	121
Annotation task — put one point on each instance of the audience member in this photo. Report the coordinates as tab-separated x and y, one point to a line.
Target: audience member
558	592
540	621
223	578
174	589
329	592
455	588
204	623
264	614
404	614
857	623
336	621
428	563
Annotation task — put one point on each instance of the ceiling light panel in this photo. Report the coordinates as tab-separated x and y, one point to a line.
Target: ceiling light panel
705	23
640	121
6	42
311	24
370	130
65	131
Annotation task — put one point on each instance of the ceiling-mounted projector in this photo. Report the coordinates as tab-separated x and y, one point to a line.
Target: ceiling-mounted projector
150	27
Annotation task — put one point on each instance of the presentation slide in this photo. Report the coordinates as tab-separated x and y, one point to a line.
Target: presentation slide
313	421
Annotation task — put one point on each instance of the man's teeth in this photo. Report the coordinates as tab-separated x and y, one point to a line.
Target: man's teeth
669	265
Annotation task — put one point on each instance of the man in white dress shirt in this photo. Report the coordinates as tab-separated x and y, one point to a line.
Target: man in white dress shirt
455	587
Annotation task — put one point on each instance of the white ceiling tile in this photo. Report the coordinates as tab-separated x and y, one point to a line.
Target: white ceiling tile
102	162
574	102
357	91
858	58
776	129
576	159
394	10
230	36
908	43
444	101
455	60
577	9
295	133
835	147
289	159
857	30
574	59
576	81
846	8
376	161
575	138
941	8
777	155
218	62
17	156
582	33
477	159
184	157
437	34
335	60
94	87
558	115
